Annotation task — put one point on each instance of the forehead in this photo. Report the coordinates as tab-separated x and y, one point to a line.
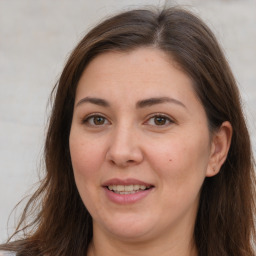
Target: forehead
135	75
129	62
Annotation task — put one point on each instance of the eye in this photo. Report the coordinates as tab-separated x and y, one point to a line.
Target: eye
95	120
159	120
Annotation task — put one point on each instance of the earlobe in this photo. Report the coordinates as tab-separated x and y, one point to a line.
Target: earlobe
220	145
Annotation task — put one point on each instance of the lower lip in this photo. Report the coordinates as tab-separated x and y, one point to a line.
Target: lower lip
127	198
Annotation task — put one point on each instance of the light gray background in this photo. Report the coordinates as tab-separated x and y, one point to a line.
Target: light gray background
35	39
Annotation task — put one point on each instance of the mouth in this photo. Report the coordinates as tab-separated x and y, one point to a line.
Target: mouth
128	189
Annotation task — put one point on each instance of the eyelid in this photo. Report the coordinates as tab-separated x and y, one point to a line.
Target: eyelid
168	118
87	118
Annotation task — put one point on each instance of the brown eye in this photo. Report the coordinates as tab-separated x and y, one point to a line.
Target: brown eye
159	120
98	120
95	120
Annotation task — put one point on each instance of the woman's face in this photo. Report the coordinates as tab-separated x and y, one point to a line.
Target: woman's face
140	145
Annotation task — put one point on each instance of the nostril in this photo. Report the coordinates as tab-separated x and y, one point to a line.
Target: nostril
112	161
122	163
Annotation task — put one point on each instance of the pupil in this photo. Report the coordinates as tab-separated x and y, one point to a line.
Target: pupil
160	120
98	120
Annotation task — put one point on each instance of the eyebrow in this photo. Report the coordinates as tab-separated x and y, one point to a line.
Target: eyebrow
154	101
140	104
96	101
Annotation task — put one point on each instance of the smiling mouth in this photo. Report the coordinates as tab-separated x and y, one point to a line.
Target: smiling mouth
127	189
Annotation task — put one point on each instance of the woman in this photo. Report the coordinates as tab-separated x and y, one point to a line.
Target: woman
147	150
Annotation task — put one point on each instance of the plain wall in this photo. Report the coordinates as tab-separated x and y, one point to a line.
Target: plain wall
35	40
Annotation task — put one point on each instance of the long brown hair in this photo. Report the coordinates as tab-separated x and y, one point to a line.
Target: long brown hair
59	222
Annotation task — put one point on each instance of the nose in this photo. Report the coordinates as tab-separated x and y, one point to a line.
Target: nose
124	149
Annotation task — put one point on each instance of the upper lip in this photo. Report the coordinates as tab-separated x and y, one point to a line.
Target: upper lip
130	181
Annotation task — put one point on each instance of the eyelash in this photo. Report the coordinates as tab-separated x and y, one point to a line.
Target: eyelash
104	119
92	118
165	117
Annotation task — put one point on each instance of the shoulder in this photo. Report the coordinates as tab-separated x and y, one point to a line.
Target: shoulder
6	253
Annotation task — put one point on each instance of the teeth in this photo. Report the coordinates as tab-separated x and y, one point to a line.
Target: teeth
127	189
120	188
136	187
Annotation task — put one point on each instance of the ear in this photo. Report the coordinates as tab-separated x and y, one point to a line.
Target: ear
221	140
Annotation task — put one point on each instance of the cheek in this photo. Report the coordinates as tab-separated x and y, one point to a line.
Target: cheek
86	162
84	153
86	158
181	160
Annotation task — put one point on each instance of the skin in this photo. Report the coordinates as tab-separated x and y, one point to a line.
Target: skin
174	153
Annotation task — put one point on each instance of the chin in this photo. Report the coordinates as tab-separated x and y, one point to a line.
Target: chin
129	230
134	234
